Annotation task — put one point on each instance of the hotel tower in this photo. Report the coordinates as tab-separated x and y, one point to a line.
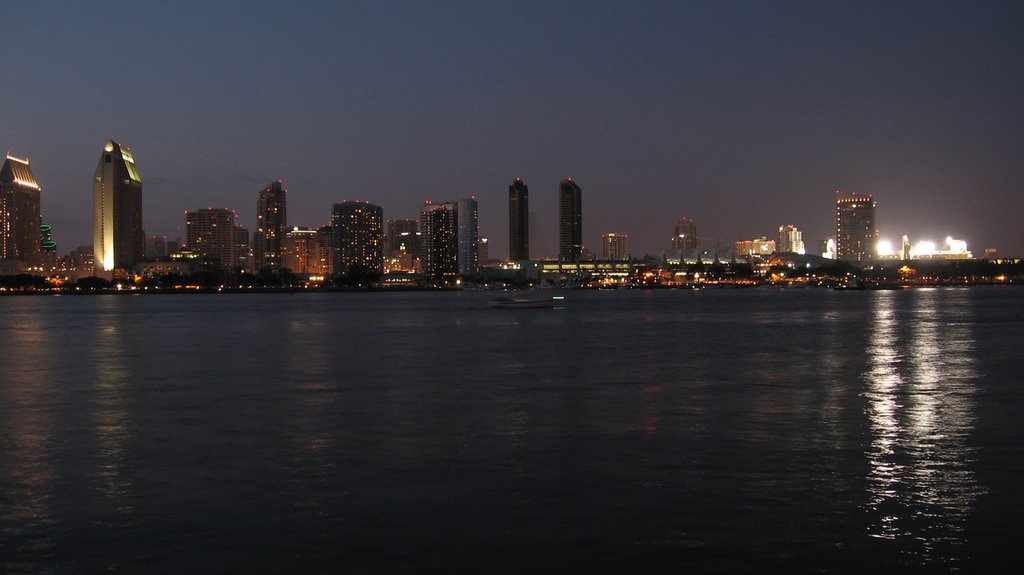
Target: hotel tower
118	239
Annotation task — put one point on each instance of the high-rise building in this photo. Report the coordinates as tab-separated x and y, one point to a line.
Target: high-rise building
615	246
271	226
469	236
326	235
570	221
358	229
439	224
856	235
684	235
402	238
483	252
790	240
210	233
518	221
302	251
19	213
118	239
243	251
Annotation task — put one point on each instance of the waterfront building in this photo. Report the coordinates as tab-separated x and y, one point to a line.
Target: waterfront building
271	226
469	236
20	218
326	235
483	252
439	226
210	233
570	221
302	251
118	238
790	240
615	247
243	249
856	235
756	247
358	229
684	236
402	237
518	221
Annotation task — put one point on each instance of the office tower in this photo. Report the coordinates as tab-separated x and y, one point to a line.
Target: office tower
358	229
302	251
570	221
856	235
615	246
439	226
469	236
790	240
271	226
518	221
243	251
118	239
19	213
210	233
684	235
402	237
326	235
483	252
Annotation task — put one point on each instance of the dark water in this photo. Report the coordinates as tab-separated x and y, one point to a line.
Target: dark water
662	431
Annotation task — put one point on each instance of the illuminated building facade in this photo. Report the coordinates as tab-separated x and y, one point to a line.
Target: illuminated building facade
469	236
483	252
570	221
518	221
20	218
790	240
271	226
118	239
615	247
326	235
243	251
358	229
856	236
684	235
210	233
439	224
756	247
302	251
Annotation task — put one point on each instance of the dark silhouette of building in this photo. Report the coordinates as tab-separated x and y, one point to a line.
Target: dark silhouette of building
271	227
358	229
518	221
402	237
685	235
469	236
570	221
20	218
856	235
118	239
439	224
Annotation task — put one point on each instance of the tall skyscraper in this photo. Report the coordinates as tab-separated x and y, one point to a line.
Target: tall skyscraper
615	246
271	226
211	233
19	213
439	224
684	235
856	235
790	240
118	239
469	236
518	221
570	221
302	251
402	237
358	237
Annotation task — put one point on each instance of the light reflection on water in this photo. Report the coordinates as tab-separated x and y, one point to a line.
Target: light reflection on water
921	389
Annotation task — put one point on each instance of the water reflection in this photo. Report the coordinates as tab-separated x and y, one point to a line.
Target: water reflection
921	387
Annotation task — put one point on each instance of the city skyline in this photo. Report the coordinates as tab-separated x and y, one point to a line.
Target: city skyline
740	116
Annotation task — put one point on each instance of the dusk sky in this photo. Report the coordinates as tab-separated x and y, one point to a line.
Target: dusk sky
740	115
